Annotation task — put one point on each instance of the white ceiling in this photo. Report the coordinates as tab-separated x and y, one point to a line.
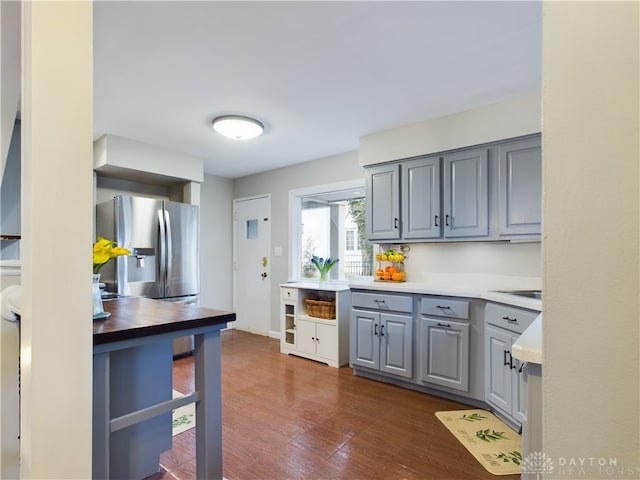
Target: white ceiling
319	75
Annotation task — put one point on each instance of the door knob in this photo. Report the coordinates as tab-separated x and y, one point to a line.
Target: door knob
264	275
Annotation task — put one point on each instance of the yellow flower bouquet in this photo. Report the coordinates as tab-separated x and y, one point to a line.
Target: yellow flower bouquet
104	250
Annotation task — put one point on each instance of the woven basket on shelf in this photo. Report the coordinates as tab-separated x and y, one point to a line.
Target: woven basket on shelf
321	308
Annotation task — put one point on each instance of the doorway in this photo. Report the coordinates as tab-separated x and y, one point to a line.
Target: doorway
251	272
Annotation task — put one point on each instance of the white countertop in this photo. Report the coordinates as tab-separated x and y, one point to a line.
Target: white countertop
485	287
528	348
311	285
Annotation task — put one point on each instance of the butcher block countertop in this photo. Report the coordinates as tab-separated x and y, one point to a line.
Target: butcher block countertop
133	317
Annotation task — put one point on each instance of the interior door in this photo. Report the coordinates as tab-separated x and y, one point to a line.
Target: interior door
251	264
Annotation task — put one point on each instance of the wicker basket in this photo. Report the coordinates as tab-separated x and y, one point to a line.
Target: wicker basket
321	308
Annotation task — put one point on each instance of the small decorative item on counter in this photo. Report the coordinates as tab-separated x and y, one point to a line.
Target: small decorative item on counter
390	267
103	251
323	265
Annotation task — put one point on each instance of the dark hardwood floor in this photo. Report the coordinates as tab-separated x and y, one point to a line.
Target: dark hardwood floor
286	417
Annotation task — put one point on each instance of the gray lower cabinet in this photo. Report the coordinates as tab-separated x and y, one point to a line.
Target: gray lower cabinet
445	342
519	188
381	333
445	353
504	385
503	382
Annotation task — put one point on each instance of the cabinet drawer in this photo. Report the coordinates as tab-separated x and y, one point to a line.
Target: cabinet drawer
289	293
442	307
383	301
511	318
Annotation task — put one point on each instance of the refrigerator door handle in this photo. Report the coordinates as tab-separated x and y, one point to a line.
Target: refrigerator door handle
161	249
169	250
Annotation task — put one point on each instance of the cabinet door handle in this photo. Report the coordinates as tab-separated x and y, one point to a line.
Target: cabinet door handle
444	325
521	367
382	330
446	220
511	364
435	221
510	320
379	302
504	357
395	222
443	307
375	329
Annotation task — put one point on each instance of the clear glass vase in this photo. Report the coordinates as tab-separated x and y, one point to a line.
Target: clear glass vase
324	276
98	309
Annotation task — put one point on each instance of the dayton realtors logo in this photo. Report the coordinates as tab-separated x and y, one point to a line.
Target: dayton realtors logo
540	464
537	463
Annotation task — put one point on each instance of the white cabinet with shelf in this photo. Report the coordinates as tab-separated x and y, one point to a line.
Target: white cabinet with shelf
321	339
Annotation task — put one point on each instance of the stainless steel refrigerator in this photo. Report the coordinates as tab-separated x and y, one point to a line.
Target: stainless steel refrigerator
163	237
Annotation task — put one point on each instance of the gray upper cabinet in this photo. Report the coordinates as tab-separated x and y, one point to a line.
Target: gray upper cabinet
466	194
421	198
383	202
520	188
487	192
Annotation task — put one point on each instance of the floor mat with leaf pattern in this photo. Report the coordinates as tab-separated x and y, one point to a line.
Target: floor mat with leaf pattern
496	446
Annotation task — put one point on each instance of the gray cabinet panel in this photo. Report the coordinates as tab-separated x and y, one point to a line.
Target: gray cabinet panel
383	202
421	198
383	301
504	382
444	307
520	188
445	353
365	344
466	194
396	335
382	341
497	370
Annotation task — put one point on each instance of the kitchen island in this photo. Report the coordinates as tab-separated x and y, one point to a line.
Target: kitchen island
132	386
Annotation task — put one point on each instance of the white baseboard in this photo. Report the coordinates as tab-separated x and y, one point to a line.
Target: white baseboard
273	334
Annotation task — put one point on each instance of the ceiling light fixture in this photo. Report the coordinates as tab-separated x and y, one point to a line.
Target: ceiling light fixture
238	127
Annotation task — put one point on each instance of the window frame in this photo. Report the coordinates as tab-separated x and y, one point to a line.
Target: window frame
295	213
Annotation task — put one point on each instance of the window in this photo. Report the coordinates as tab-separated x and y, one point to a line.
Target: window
350	240
328	221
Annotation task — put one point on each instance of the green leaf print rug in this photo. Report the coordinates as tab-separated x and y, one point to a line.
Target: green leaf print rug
184	417
488	439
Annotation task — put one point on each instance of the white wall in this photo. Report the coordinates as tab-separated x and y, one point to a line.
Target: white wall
502	259
591	389
216	243
117	155
57	198
278	183
511	118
